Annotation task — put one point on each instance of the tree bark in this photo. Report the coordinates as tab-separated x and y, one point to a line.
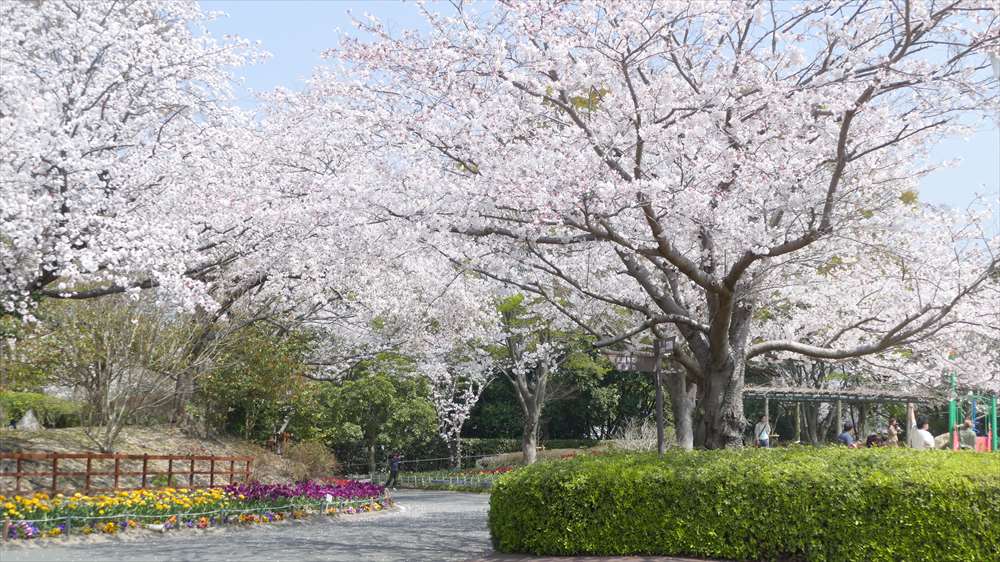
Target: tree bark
531	396
723	405
529	439
455	452
661	445
682	404
371	458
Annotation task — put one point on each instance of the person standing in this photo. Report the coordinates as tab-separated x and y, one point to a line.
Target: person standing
393	480
762	433
892	434
918	436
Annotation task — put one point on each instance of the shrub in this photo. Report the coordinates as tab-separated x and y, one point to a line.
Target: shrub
50	411
809	504
315	458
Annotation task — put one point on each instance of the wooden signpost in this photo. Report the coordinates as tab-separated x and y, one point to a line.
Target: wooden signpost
647	362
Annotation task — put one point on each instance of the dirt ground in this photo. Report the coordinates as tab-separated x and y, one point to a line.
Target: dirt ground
153	440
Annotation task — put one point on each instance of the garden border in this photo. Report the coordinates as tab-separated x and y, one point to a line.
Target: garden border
319	507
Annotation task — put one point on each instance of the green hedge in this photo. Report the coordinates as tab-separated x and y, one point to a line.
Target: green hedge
832	504
50	411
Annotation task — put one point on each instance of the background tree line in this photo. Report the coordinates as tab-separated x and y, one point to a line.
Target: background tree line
107	363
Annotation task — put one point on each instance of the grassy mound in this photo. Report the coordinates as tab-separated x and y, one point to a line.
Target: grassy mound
799	504
155	440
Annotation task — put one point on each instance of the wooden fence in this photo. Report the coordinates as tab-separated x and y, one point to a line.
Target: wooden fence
59	472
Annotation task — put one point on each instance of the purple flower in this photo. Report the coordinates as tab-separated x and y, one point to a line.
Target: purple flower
350	490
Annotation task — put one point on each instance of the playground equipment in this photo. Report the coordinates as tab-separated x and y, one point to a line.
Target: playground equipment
991	440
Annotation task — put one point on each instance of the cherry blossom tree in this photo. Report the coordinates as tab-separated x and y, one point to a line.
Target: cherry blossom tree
115	130
457	382
741	174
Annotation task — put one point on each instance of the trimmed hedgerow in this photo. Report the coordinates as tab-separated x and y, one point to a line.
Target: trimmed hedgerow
830	504
51	411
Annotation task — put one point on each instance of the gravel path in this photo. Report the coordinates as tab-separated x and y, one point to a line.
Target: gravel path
429	526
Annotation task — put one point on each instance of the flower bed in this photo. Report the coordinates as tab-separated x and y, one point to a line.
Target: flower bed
164	509
308	490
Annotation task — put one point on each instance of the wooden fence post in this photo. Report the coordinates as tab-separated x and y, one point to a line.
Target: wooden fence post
145	465
191	474
55	471
246	474
232	470
211	473
170	472
117	469
86	482
17	477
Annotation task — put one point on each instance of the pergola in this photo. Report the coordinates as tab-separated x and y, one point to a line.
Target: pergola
836	396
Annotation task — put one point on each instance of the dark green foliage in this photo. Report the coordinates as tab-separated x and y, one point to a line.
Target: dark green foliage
797	504
383	410
257	384
496	414
590	407
50	411
601	407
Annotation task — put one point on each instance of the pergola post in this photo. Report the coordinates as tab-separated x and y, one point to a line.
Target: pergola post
798	422
995	445
837	419
862	420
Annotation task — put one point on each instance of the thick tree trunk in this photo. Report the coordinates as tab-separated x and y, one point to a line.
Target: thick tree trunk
661	444
455	452
682	403
532	400
371	458
183	393
529	439
814	425
723	405
699	418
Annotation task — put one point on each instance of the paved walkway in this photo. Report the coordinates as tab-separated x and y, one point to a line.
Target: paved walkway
429	526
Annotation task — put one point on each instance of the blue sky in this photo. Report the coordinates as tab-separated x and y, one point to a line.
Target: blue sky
295	32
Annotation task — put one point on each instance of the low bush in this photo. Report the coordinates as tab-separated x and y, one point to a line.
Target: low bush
315	459
50	411
810	504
